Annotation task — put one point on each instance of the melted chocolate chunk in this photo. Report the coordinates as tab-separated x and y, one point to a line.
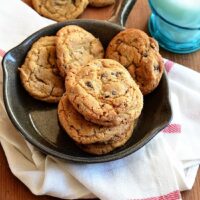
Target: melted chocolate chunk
104	75
116	74
89	84
145	54
114	92
156	67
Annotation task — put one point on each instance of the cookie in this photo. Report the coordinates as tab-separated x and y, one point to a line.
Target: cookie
76	47
101	3
104	93
139	53
39	73
60	10
82	131
103	148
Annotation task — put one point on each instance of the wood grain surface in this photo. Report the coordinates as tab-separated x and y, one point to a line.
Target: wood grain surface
12	189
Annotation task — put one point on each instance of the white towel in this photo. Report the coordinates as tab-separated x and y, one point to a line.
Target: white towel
161	169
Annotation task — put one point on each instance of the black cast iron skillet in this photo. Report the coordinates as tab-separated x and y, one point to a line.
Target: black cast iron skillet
37	121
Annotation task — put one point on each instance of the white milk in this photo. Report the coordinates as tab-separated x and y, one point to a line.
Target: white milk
184	13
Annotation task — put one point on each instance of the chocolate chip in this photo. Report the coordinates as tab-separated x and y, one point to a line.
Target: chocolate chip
74	2
107	94
153	46
104	75
114	92
156	67
118	41
145	54
118	73
89	84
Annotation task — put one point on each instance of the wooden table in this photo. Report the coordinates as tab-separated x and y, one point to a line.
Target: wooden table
12	189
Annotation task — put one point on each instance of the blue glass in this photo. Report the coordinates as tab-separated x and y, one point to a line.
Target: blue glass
171	36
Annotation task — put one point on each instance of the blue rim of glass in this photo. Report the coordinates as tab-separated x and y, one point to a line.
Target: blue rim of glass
182	27
173	47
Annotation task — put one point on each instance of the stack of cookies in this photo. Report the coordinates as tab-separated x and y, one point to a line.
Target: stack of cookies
100	107
61	10
100	99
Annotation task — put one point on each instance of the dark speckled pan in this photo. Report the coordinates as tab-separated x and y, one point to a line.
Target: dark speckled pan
37	121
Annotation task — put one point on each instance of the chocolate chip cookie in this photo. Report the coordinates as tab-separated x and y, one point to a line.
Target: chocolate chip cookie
60	10
76	47
101	3
106	147
104	93
39	73
82	131
139	53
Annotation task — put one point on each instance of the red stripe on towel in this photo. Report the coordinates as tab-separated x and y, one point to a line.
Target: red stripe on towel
176	195
2	53
168	65
172	128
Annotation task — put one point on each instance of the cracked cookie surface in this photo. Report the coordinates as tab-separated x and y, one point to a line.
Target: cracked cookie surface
105	147
104	93
139	53
60	10
39	73
76	47
82	131
101	3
